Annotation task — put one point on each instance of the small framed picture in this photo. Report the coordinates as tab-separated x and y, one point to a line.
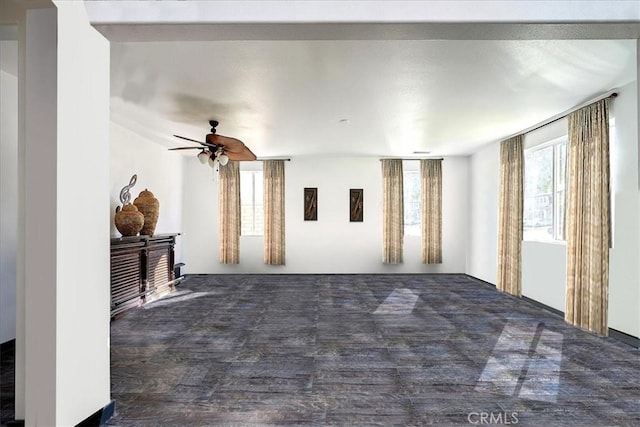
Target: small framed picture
356	205
310	204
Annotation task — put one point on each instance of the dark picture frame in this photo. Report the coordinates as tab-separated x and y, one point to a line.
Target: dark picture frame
310	204
356	205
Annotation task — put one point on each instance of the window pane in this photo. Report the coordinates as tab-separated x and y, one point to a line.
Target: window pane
544	191
561	165
251	208
538	194
258	204
246	186
412	203
259	188
560	201
561	171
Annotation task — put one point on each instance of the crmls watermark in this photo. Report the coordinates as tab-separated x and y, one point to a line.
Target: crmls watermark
492	418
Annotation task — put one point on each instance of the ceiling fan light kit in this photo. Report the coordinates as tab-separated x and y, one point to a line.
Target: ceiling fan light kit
219	149
203	157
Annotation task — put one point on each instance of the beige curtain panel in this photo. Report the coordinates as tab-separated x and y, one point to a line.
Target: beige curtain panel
274	243
393	211
229	190
431	174
588	218
510	216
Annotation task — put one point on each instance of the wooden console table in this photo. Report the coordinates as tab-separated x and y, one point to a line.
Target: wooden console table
142	269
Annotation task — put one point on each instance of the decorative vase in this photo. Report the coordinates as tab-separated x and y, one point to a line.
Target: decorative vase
128	220
150	208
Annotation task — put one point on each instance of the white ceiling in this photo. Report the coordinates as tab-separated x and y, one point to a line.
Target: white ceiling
288	95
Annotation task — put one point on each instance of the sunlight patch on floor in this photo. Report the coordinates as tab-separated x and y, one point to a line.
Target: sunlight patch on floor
525	362
175	297
400	301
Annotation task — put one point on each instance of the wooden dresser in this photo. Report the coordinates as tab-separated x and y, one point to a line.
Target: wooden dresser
142	269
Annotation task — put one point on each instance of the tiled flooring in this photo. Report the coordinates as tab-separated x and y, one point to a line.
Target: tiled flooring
347	350
7	382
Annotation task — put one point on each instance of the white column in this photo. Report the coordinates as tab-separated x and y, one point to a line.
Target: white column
65	261
40	231
83	206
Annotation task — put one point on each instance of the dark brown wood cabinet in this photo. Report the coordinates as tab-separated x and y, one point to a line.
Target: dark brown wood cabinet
142	269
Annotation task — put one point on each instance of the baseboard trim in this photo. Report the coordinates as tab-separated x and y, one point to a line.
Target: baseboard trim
100	417
544	306
613	333
624	337
484	282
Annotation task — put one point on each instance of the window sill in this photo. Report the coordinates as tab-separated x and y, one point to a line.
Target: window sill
550	242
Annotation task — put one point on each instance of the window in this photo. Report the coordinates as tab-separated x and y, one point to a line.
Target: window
412	196
251	204
545	169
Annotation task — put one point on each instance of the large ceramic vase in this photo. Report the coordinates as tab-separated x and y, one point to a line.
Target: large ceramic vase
128	220
150	208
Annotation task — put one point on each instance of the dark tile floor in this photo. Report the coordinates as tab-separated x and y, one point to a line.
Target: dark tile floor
347	350
7	381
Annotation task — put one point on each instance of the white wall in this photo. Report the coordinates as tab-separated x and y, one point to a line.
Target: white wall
484	184
158	170
8	187
331	244
544	264
624	270
544	272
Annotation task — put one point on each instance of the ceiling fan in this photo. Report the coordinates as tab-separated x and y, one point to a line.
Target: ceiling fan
218	149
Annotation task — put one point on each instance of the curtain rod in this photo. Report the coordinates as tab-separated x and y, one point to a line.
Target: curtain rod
610	94
263	159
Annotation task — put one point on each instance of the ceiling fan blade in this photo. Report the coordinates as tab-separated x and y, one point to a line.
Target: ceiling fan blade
193	140
187	148
249	154
244	155
188	139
